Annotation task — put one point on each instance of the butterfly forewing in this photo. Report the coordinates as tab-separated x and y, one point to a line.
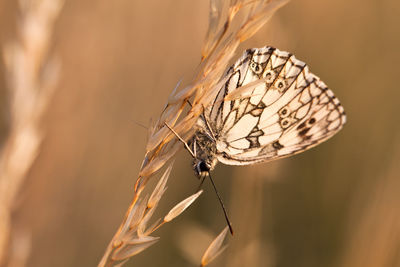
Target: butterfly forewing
284	109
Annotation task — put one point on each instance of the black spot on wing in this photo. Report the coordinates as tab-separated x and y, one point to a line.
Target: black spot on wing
277	145
301	126
303	132
253	141
256	132
261	105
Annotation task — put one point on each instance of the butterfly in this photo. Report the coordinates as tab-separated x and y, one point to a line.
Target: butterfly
280	109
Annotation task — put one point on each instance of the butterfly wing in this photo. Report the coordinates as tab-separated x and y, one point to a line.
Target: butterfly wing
281	109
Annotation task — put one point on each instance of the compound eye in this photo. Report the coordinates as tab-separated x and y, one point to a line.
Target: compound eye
203	167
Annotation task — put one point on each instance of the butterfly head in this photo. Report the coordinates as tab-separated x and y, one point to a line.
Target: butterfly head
201	168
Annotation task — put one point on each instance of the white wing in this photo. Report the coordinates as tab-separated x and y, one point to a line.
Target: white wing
286	109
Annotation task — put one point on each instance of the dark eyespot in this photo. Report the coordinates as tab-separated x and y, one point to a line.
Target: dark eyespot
269	76
256	68
311	121
286	122
284	112
280	84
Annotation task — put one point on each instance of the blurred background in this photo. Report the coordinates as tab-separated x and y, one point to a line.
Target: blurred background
335	205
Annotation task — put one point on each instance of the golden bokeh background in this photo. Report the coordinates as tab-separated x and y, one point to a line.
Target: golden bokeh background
335	205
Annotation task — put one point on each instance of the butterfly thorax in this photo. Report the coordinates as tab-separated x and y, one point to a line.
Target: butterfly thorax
204	149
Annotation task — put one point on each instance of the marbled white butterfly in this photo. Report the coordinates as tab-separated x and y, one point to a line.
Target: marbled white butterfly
284	109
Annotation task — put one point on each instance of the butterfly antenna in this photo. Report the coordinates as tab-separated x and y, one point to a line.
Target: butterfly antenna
222	204
201	183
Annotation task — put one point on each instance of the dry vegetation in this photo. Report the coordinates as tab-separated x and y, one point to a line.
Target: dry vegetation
31	76
218	49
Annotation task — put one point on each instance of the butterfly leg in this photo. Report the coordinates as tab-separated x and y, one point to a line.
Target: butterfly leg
181	139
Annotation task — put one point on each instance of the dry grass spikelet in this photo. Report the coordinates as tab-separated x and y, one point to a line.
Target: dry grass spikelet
181	207
218	49
135	232
215	248
31	75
